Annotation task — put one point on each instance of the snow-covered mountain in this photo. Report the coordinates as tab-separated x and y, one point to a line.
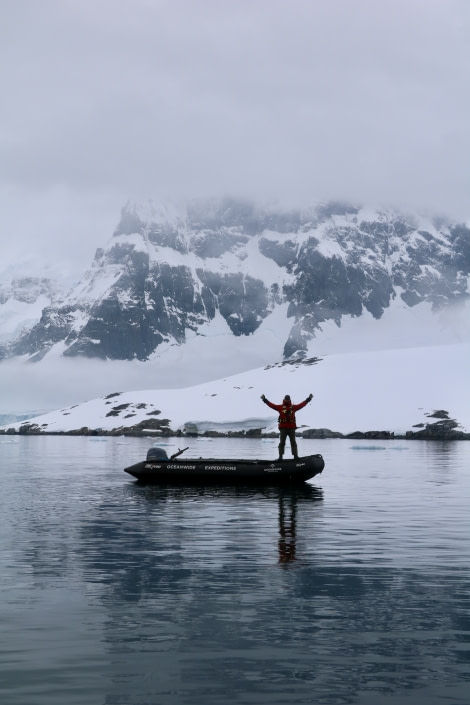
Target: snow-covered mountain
286	282
184	296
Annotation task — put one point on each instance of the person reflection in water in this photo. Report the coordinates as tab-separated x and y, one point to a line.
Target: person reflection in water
287	537
287	423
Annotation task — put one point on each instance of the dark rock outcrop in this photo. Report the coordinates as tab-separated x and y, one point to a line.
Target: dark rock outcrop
443	429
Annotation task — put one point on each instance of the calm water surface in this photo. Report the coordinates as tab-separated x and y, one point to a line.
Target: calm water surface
353	589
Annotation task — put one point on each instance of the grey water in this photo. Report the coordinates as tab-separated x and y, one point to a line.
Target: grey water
352	589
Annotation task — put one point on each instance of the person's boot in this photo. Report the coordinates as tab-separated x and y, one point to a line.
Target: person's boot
281	453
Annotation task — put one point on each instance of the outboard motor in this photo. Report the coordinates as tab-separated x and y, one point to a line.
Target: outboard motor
157	453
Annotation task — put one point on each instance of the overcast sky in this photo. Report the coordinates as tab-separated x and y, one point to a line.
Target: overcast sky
114	100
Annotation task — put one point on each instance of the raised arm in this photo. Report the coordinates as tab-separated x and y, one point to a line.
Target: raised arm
276	407
306	401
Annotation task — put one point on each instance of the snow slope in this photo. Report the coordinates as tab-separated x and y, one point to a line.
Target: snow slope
389	390
215	353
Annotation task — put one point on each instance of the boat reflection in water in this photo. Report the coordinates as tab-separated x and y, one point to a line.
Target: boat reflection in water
224	506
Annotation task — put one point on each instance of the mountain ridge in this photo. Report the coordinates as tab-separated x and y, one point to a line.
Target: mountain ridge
168	272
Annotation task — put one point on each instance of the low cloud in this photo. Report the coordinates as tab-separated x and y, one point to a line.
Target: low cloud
364	101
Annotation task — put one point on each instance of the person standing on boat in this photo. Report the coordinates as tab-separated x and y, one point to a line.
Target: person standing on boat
287	423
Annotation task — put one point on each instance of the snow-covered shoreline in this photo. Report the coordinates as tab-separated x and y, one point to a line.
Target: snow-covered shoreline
392	391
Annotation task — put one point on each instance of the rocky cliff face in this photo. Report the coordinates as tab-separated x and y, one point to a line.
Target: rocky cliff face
164	274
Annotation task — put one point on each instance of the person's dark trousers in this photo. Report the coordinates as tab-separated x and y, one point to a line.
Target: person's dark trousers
283	434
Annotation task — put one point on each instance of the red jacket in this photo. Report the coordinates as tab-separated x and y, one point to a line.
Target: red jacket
287	412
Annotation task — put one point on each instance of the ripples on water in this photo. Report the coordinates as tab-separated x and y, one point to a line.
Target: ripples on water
352	589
